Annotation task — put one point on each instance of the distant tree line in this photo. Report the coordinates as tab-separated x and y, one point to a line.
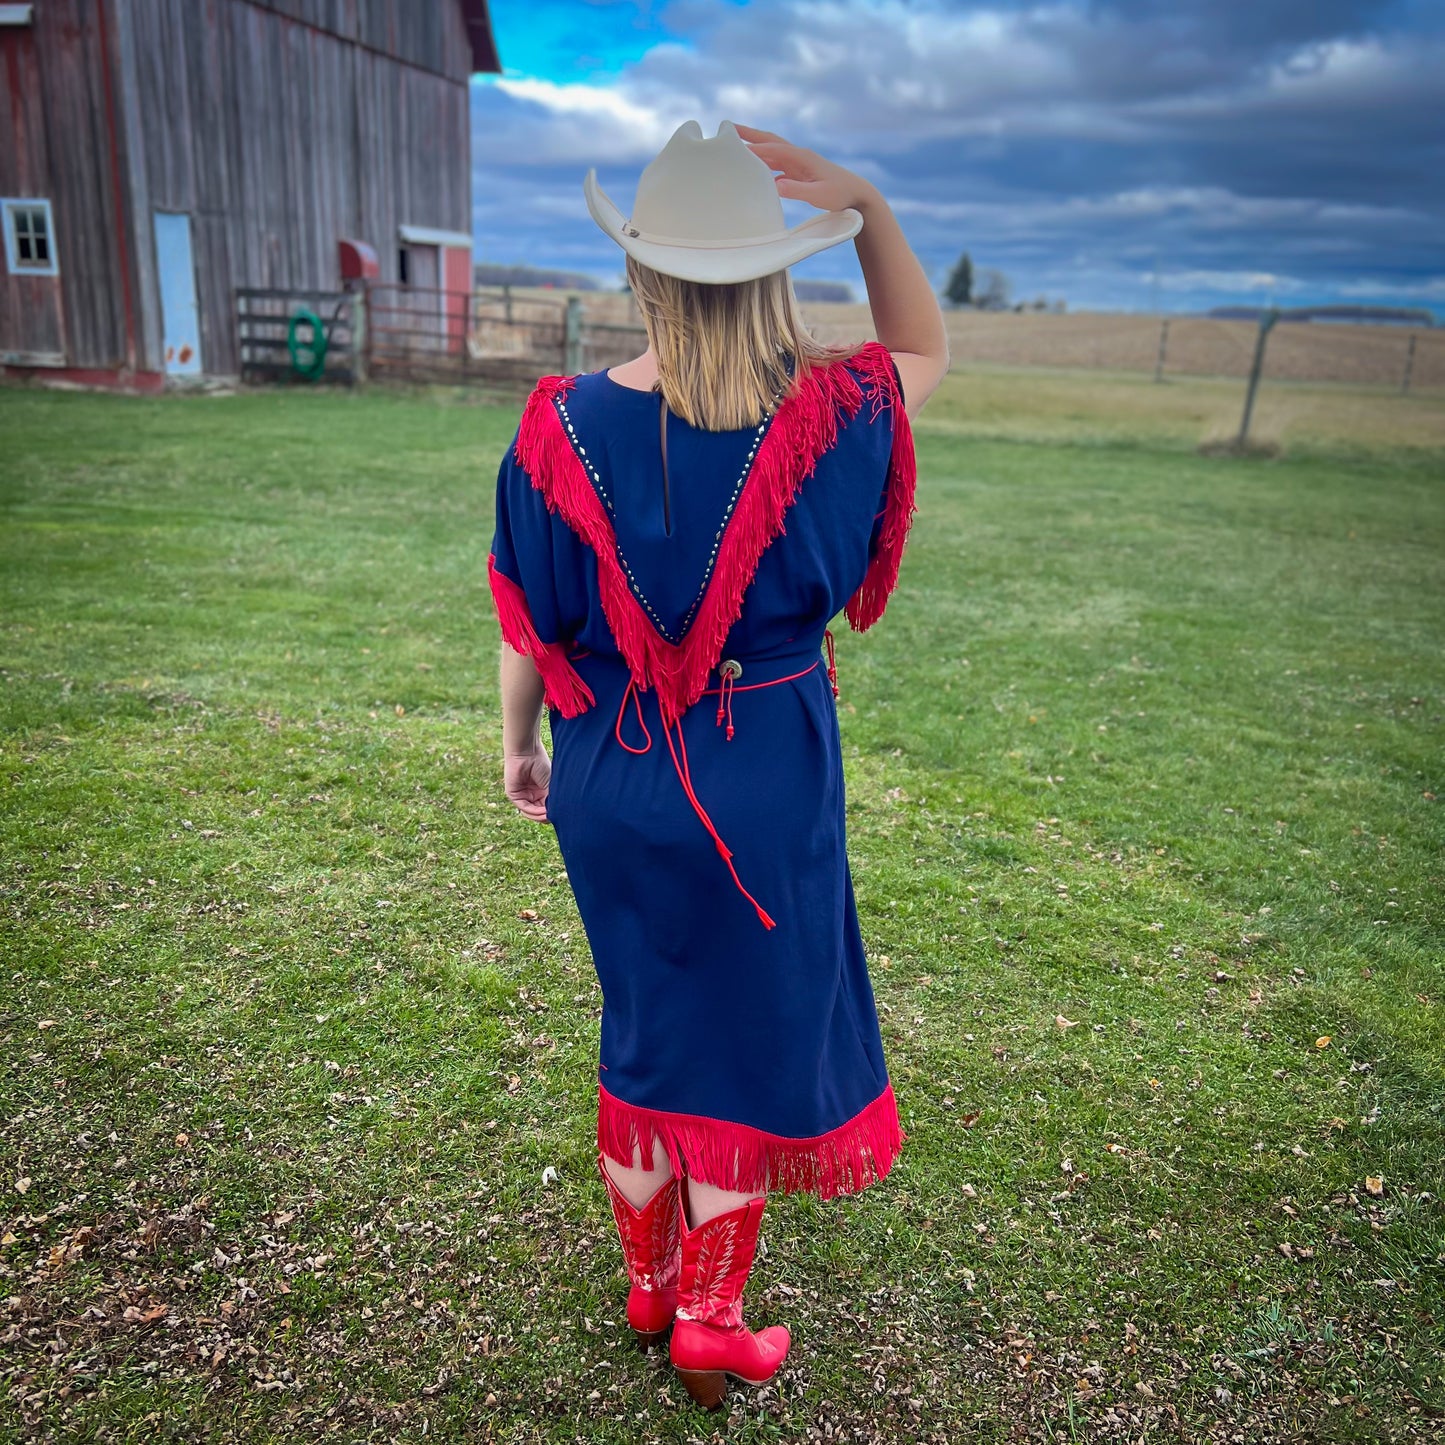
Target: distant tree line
1367	315
490	273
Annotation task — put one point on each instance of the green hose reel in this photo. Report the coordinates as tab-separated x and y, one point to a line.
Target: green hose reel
308	357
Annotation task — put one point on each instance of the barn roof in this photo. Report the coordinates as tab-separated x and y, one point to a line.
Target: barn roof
479	31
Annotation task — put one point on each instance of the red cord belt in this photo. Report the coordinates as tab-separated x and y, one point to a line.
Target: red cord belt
729	670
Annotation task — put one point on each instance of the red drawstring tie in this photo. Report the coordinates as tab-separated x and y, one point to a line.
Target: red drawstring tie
832	661
730	672
631	692
723	849
679	764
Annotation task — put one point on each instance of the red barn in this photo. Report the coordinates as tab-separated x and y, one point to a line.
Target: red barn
164	153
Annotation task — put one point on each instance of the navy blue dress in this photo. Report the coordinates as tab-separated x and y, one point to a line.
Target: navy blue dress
697	783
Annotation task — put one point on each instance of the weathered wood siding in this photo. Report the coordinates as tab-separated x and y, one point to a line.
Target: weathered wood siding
281	126
419	32
278	126
54	109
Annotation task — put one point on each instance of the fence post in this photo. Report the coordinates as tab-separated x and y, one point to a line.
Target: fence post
572	358
1266	322
1163	347
242	332
507	297
1409	366
360	336
468	302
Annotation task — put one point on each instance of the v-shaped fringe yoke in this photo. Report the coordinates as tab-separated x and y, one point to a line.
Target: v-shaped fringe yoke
804	428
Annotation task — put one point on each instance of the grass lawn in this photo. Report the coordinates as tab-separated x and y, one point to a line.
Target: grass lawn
1144	769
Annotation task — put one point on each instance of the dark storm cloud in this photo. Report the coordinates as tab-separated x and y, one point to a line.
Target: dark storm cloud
1288	147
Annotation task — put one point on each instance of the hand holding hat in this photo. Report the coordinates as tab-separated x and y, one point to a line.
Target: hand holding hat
709	209
807	176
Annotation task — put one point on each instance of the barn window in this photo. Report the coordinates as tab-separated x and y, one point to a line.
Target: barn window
29	238
403	266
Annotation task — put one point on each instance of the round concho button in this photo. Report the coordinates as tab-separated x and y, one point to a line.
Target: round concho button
730	667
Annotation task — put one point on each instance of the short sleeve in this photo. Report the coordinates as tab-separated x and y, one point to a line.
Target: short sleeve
522	545
522	575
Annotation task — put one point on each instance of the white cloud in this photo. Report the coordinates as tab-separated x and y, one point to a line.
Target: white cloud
587	124
1427	288
1026	135
1203	209
1247	282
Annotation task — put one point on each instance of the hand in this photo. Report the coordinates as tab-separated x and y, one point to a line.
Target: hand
525	778
806	175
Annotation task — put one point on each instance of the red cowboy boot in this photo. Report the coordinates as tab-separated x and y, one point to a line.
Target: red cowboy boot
651	1252
709	1339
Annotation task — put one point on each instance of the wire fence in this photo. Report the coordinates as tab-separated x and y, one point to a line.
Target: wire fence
509	336
1390	357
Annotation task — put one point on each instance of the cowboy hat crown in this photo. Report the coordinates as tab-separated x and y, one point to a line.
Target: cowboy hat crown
707	209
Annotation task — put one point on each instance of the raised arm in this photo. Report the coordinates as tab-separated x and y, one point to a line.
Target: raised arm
906	313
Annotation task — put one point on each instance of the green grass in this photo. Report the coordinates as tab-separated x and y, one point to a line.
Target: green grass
1143	768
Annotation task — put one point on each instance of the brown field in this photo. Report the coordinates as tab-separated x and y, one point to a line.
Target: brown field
1090	377
1360	356
1048	405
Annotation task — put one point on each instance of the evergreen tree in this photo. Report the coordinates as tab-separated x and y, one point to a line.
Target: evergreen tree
959	291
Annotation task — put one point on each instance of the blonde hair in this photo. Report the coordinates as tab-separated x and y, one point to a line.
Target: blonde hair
722	349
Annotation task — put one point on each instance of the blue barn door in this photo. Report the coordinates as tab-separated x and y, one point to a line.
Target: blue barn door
180	318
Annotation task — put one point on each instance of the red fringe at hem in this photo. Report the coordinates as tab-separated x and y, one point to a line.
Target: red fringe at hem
739	1157
561	682
866	605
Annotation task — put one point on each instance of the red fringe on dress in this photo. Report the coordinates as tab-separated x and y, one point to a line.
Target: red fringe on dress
866	605
804	427
561	682
735	1156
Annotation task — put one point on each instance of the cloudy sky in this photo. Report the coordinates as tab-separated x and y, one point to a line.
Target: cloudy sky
1110	152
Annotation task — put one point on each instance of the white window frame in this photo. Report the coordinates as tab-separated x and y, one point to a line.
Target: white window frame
9	205
431	236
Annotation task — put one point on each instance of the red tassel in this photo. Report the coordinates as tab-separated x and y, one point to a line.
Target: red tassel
805	426
561	682
738	1157
866	605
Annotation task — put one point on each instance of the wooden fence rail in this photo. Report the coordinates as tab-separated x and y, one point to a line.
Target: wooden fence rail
385	331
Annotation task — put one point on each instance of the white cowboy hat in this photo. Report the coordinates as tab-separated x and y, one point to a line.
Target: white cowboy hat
708	209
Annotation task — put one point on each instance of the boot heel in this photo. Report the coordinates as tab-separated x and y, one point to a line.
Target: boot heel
707	1387
646	1339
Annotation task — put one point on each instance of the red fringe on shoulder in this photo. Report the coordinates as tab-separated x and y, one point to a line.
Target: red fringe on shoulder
866	605
561	682
805	426
735	1156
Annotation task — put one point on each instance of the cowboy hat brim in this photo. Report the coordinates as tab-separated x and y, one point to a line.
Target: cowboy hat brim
722	263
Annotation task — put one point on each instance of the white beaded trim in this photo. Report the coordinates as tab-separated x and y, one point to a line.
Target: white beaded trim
632	582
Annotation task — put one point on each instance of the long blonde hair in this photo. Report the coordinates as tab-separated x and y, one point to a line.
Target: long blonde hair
722	350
